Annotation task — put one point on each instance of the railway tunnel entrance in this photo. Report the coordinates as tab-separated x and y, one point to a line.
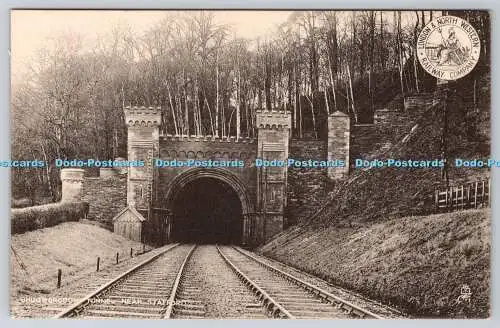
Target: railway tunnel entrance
208	206
207	211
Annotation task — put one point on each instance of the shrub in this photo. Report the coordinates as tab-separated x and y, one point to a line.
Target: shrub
20	203
48	215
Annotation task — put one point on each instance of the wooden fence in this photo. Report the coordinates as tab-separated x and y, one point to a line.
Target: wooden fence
471	195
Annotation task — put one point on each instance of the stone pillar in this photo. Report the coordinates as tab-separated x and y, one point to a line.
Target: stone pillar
72	183
338	143
273	138
143	145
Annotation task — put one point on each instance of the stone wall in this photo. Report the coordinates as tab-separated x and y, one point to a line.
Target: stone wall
391	124
306	186
364	140
106	197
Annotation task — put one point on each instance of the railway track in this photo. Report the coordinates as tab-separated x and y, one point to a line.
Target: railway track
210	289
141	292
287	296
194	282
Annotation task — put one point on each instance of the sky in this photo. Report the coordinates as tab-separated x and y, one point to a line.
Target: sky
31	28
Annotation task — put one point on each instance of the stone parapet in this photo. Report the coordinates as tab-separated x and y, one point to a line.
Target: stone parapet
273	119
206	138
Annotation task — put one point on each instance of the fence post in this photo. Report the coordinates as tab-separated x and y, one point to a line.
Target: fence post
489	192
462	198
446	198
59	274
454	200
437	198
468	195
482	193
451	198
131	252
98	260
117	257
475	195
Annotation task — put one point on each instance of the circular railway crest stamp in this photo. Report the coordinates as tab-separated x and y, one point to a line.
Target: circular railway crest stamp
448	47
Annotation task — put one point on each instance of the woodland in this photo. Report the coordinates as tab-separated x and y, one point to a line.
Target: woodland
207	81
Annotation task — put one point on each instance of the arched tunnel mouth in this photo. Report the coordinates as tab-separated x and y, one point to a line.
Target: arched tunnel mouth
207	211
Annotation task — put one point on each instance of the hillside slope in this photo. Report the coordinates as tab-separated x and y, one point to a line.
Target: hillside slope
371	195
417	264
72	247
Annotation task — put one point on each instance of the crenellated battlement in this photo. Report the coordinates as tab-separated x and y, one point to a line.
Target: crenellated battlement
207	138
273	119
142	116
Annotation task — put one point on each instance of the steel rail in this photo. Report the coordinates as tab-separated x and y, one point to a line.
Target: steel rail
321	293
276	309
397	313
173	294
78	306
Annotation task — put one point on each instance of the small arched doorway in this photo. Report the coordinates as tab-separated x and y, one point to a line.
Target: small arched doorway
208	206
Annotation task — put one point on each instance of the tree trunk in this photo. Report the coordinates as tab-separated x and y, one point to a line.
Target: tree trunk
332	59
238	114
209	113
415	36
400	53
353	45
382	58
326	102
48	173
247	118
217	96
313	116
352	95
372	50
197	109
296	91
186	108
176	129
267	83
300	116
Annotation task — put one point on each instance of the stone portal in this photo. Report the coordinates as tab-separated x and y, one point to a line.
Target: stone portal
158	205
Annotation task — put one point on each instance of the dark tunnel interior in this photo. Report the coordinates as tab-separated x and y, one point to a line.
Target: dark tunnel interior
207	211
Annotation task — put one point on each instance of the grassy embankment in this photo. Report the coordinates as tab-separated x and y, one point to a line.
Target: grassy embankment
70	246
417	264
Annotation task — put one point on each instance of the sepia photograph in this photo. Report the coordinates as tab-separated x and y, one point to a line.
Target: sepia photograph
250	164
